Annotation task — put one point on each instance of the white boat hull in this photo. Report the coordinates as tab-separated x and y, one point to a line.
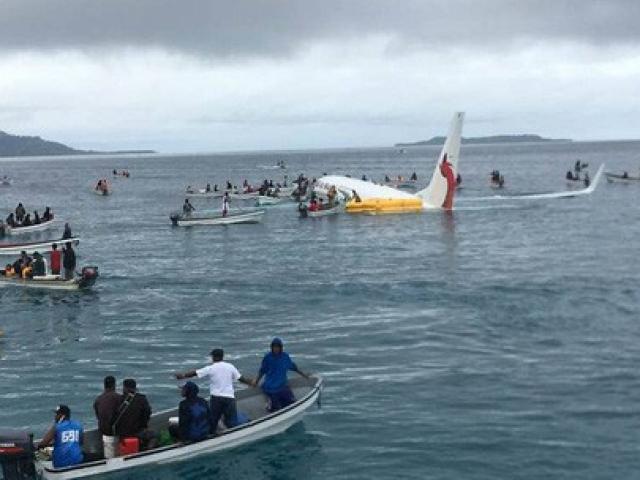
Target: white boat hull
261	427
323	213
31	247
31	228
262	201
232	218
614	178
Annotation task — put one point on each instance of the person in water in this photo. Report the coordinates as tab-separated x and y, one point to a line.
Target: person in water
66	437
221	376
187	208
273	369
194	415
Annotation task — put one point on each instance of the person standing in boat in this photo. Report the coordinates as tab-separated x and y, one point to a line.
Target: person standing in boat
274	368
106	407
225	204
221	376
47	215
187	208
194	415
66	437
20	213
67	232
68	261
54	259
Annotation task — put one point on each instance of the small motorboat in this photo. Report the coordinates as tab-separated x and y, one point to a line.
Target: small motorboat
19	460
621	178
31	247
38	227
244	195
234	216
85	279
324	212
103	190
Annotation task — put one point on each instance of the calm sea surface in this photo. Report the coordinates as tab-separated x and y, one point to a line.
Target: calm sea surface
502	341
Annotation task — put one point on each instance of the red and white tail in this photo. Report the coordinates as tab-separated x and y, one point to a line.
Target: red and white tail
440	191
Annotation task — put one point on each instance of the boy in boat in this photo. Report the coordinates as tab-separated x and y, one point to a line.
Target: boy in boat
194	415
106	408
221	376
20	213
66	437
274	368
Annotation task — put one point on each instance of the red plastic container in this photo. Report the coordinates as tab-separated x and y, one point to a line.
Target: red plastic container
129	445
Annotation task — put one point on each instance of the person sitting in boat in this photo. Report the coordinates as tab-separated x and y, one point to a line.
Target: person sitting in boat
8	270
356	198
99	185
132	418
207	189
321	205
229	186
11	221
115	172
187	207
66	437
221	376
577	167
274	367
387	179
20	212
624	175
36	218
67	232
225	204
587	180
38	266
190	189
47	215
313	205
194	415
27	221
414	177
569	175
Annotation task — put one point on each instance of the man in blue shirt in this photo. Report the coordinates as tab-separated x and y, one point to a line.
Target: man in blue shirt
275	366
66	437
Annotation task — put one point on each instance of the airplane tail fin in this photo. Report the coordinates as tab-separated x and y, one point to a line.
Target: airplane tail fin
435	194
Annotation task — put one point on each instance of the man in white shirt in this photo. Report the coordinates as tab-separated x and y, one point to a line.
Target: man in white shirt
221	376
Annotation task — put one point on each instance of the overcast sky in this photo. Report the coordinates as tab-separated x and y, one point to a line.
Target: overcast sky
205	75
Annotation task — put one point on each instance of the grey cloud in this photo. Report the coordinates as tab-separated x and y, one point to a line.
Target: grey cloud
239	28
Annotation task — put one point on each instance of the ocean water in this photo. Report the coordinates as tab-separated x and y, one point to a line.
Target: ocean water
499	341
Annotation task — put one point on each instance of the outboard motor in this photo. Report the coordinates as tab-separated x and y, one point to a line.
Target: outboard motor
16	455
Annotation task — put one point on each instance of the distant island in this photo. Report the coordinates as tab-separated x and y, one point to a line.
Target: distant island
21	146
526	138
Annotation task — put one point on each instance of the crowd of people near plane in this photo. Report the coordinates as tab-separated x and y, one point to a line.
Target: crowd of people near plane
124	418
21	218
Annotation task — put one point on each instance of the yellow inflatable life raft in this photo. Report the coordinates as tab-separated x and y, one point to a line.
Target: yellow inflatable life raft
385	205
